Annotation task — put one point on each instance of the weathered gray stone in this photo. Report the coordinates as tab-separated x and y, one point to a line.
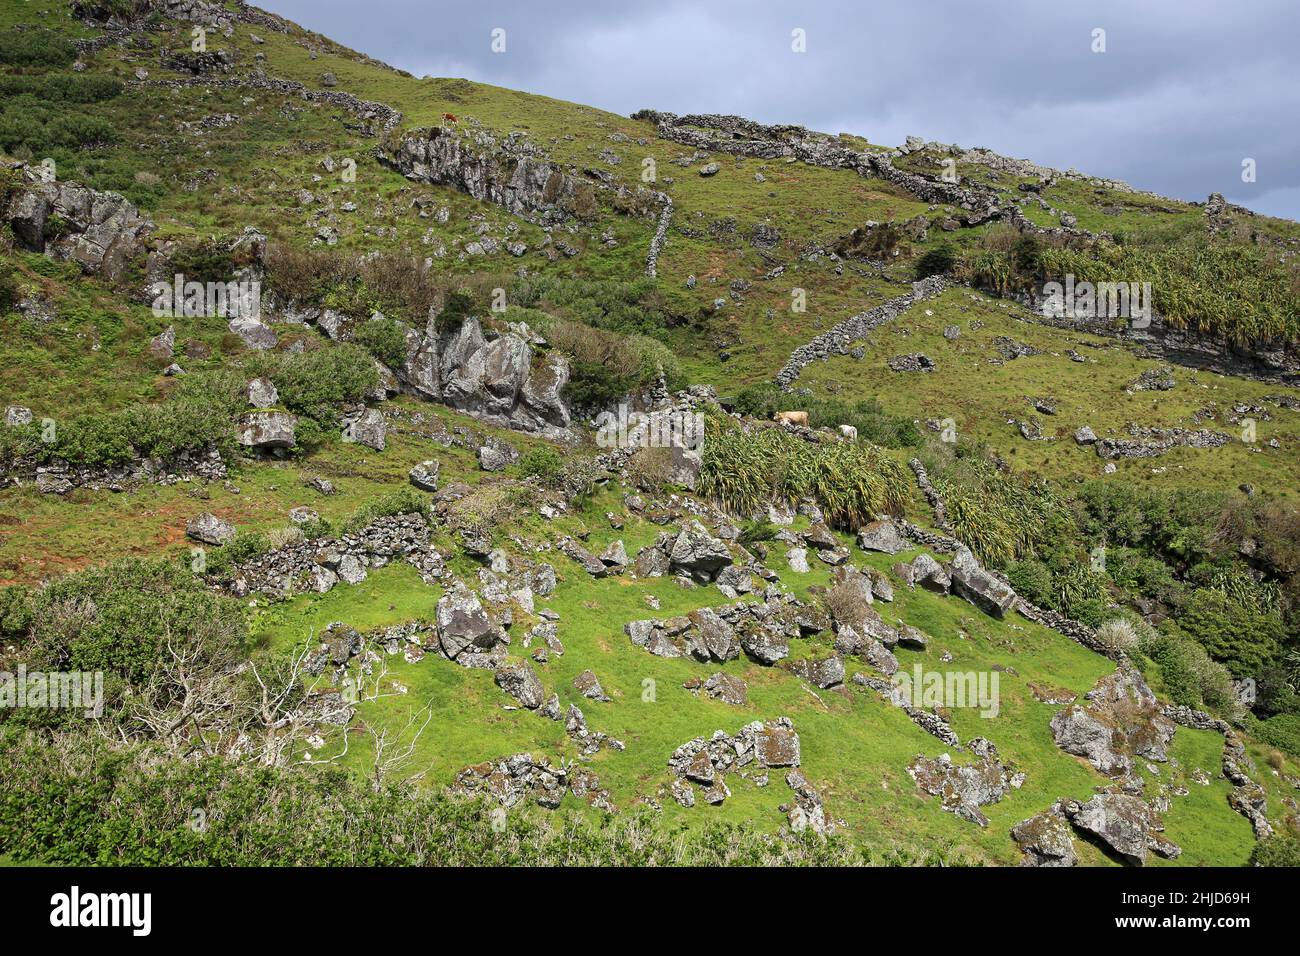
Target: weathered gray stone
209	529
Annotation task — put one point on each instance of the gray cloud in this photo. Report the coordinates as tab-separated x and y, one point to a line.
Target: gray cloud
1184	92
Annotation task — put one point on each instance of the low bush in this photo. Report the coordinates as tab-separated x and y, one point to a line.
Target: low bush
853	482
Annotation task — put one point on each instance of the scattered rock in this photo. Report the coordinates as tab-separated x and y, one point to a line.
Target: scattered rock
209	529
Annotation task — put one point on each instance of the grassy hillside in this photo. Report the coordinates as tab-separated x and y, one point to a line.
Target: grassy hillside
1202	563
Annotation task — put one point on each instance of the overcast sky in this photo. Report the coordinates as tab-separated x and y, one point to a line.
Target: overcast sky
1183	93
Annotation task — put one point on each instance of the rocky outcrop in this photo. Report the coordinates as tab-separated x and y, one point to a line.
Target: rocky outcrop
762	629
496	377
970	581
1046	839
519	681
265	430
100	231
508	171
1120	721
705	763
207	528
1123	824
1152	442
511	780
464	628
964	788
881	536
366	426
720	686
320	564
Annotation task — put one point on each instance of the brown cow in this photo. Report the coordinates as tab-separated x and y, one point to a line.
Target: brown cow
794	418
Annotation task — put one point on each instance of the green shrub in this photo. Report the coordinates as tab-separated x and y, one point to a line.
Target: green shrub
1190	677
936	261
120	618
317	384
36	48
385	339
1032	580
76	801
1281	849
853	482
1243	636
405	501
542	461
758	529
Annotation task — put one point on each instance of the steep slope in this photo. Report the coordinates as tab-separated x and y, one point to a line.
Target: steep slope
460	274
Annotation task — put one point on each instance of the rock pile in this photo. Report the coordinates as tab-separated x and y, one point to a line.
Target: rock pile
1120	722
705	763
510	780
320	564
964	788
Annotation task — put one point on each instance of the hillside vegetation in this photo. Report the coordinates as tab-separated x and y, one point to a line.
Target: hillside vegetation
367	584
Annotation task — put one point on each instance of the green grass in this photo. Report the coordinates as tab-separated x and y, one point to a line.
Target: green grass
982	397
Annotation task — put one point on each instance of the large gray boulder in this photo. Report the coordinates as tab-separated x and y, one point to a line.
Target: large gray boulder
766	645
266	430
262	393
522	683
881	536
209	529
425	475
1045	840
928	573
970	581
1120	722
698	553
462	623
1119	820
18	415
711	637
501	380
367	428
100	231
254	333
